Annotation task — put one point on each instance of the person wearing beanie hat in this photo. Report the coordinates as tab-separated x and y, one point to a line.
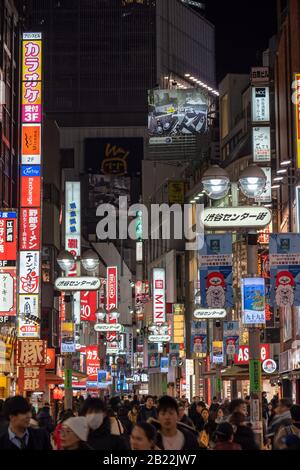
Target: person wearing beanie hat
74	434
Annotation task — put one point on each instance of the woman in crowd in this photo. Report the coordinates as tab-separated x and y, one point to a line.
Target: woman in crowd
143	437
74	434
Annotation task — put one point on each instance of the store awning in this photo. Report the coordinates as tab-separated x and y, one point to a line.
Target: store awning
53	379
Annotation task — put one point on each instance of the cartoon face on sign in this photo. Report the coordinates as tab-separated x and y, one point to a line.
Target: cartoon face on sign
215	290
285	285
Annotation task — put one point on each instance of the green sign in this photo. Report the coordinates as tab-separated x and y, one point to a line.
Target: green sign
219	385
139	226
68	378
255	375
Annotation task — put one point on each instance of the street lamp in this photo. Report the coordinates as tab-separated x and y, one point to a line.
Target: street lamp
65	261
216	182
252	181
90	260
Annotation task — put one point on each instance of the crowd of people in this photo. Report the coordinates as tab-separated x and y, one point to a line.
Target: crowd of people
151	424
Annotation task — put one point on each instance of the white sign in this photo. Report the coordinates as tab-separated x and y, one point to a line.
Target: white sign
29	272
28	306
261	144
112	350
32	35
159	295
206	313
159	338
259	75
269	366
160	140
73	218
105	327
77	283
139	252
236	217
266	196
7	301
261	104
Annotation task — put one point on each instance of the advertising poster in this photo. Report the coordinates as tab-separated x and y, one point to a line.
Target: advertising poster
215	261
153	360
88	305
285	269
261	144
92	363
253	301
231	337
29	316
177	112
67	338
199	337
164	365
266	196
217	352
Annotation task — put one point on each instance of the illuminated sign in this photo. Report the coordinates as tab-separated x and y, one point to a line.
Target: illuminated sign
205	313
30	229
111	303
297	102
261	144
8	291
253	301
73	218
106	327
31	144
236	217
243	355
159	295
260	104
77	283
269	366
8	238
27	310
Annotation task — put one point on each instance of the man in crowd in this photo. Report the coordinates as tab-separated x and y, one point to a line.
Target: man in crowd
183	418
19	434
147	411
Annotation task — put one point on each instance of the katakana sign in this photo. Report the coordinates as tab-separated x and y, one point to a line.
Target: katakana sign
30	229
77	283
159	338
31	352
209	313
29	272
8	291
8	238
236	217
106	327
73	218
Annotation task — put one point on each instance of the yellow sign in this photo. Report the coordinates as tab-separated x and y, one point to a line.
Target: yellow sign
176	192
297	80
32	60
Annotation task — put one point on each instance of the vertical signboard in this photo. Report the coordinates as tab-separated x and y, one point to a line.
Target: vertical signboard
199	337
297	105
112	302
72	218
253	301
8	257
261	144
261	104
266	196
159	295
31	197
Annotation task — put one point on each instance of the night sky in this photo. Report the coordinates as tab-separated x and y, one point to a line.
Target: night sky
243	28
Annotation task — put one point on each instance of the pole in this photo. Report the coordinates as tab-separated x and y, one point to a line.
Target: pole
68	400
254	350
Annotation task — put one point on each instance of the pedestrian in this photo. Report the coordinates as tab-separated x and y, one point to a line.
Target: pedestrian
116	426
192	410
44	419
183	418
270	415
265	405
143	437
197	417
147	411
124	419
293	429
133	414
135	401
215	405
56	436
74	434
282	418
243	434
220	416
19	434
206	435
224	435
171	434
237	405
101	436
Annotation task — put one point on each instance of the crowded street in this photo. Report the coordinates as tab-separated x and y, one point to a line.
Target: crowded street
149	231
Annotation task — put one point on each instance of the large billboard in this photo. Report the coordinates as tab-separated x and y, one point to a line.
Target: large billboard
177	112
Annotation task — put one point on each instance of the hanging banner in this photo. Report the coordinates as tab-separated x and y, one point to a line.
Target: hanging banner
112	303
174	360
266	196
8	293
261	144
88	306
153	360
297	106
67	338
199	337
253	301
285	269
215	261
159	295
231	335
217	352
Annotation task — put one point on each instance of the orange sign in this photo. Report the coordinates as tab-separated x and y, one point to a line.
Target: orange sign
31	353
50	359
31	144
32	379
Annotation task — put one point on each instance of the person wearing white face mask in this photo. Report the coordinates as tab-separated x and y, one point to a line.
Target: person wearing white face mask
100	436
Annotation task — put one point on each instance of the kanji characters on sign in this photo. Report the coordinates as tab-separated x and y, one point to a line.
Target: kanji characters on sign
31	352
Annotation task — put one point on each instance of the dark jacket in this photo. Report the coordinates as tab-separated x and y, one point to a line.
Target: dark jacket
198	422
38	440
186	420
45	421
102	439
145	414
245	437
227	446
190	436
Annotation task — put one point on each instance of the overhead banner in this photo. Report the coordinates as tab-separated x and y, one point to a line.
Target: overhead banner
177	112
159	295
261	104
215	262
285	269
73	218
261	144
231	335
8	238
253	301
199	337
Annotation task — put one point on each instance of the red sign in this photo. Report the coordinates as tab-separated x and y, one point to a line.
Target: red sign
32	379
50	359
30	191
243	356
31	353
88	306
92	363
112	300
30	229
62	307
8	238
8	294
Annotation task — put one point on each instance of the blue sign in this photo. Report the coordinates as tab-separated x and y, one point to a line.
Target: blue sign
285	269
231	337
164	364
253	301
8	215
215	261
199	337
31	170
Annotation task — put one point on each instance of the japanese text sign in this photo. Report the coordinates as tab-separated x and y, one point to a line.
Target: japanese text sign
31	352
29	272
32	79
32	379
8	238
92	363
159	295
253	301
8	291
73	218
236	217
30	229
